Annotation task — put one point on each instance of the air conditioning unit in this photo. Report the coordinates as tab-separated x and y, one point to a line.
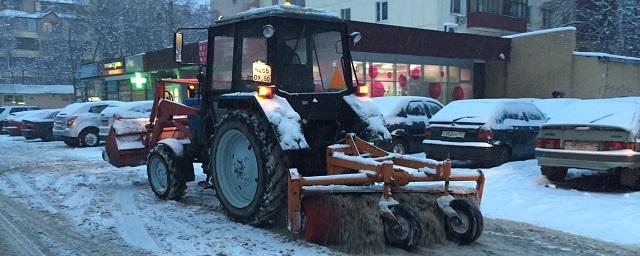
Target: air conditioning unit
461	20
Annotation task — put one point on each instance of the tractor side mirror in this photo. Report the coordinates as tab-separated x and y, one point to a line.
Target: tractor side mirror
356	37
178	43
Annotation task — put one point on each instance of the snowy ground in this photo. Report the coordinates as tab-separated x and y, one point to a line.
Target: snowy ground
117	205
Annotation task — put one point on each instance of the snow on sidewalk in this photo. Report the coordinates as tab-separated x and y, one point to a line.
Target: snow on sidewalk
516	191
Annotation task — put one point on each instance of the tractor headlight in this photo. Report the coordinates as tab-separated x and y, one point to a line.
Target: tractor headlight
268	31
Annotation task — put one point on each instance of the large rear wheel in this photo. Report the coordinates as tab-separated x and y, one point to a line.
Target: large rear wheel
249	168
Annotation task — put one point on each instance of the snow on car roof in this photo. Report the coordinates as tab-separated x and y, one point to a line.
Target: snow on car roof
40	114
621	113
391	106
72	108
484	111
124	106
550	107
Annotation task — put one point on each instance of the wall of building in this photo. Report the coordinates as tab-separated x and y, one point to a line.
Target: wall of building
540	64
545	62
44	100
599	78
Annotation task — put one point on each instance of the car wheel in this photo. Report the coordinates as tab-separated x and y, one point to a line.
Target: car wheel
89	138
553	173
399	146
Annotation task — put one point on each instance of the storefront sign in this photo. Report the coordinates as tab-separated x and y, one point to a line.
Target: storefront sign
113	68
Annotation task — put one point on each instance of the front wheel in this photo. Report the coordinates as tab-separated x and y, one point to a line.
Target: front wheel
399	146
249	168
467	226
162	171
407	232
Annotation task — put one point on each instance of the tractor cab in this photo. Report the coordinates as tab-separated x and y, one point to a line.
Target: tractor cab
289	47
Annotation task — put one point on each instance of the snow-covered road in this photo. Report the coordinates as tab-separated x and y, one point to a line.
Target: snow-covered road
116	204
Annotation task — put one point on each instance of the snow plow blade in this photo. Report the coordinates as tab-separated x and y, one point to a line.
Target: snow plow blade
353	203
125	143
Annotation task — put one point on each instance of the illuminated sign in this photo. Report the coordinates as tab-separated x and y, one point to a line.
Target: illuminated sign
138	80
113	68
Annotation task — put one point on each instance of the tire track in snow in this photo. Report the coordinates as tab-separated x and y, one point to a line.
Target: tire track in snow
129	225
25	189
79	201
20	243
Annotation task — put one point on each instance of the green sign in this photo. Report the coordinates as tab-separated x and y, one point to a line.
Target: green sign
138	80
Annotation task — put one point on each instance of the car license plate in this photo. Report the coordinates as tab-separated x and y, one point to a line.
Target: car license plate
452	134
581	145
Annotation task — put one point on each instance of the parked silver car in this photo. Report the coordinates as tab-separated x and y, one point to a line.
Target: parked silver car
599	134
77	124
126	110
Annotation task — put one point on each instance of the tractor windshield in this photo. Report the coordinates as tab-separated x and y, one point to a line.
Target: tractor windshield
308	60
304	58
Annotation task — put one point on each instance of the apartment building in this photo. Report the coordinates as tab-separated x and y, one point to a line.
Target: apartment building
25	27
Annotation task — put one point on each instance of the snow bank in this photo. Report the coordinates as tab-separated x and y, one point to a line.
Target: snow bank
516	191
541	32
286	121
370	115
617	113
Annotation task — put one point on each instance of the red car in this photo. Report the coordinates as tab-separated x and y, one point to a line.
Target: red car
13	123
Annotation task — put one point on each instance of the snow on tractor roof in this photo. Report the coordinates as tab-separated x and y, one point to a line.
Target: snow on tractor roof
284	10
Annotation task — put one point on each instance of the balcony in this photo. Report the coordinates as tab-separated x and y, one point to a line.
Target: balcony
496	21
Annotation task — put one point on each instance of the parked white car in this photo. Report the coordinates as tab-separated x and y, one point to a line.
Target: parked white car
77	124
126	110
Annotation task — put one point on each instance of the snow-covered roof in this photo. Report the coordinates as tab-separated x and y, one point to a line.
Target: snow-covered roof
35	89
606	55
282	10
541	32
21	14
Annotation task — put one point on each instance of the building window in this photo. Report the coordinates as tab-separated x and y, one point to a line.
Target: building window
546	17
26	43
345	14
47	27
14	99
25	24
382	11
455	6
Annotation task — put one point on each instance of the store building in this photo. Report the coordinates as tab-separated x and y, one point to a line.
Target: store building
43	96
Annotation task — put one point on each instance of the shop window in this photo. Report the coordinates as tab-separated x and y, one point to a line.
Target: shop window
435	73
415	83
18	99
402	79
124	90
382	11
465	74
345	14
380	78
454	74
111	90
222	62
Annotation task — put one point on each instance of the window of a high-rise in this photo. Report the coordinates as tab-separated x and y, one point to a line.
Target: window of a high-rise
382	13
345	14
456	6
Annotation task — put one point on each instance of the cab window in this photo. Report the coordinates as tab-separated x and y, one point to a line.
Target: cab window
221	70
